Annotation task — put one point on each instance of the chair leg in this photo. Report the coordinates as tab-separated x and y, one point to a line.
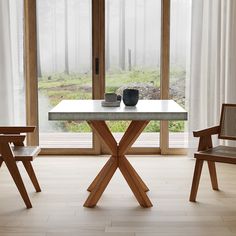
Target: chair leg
14	171
1	161
29	168
212	170
196	179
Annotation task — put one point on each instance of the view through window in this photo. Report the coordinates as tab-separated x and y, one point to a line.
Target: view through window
133	29
64	68
132	33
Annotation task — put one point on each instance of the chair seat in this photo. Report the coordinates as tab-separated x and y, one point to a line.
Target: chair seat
223	154
22	153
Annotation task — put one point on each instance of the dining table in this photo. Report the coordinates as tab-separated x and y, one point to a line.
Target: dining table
96	116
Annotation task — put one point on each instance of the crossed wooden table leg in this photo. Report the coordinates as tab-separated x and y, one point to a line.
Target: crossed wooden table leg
118	160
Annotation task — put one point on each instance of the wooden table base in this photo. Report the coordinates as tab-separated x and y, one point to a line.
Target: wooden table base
118	160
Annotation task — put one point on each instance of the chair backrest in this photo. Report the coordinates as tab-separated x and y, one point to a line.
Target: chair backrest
228	122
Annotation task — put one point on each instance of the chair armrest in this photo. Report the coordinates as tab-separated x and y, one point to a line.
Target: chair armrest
16	129
17	138
207	132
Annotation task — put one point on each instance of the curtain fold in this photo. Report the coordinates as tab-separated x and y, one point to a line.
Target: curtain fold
213	69
12	105
6	110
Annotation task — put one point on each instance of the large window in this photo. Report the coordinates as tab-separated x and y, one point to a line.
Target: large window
64	68
134	46
133	29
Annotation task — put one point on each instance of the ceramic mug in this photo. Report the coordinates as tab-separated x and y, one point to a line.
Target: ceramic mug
130	97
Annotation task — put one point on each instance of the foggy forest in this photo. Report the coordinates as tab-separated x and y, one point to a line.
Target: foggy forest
133	30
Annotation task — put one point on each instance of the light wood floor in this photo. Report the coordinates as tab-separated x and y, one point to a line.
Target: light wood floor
59	210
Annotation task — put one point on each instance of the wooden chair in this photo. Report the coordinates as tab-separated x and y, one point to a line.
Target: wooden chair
12	149
206	152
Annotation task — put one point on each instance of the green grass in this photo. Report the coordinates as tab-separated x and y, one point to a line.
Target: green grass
114	81
57	87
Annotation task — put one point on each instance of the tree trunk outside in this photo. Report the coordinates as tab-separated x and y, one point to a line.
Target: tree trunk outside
129	59
66	38
135	32
55	38
39	69
122	35
144	31
90	36
108	37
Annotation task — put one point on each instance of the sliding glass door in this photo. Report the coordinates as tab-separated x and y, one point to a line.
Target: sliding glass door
84	48
64	45
133	29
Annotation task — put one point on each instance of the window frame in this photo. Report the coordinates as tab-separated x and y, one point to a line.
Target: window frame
98	51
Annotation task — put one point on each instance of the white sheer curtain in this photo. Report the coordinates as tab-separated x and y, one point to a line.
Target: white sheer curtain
12	105
213	62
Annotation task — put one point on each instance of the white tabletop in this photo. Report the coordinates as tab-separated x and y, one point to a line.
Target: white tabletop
93	110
